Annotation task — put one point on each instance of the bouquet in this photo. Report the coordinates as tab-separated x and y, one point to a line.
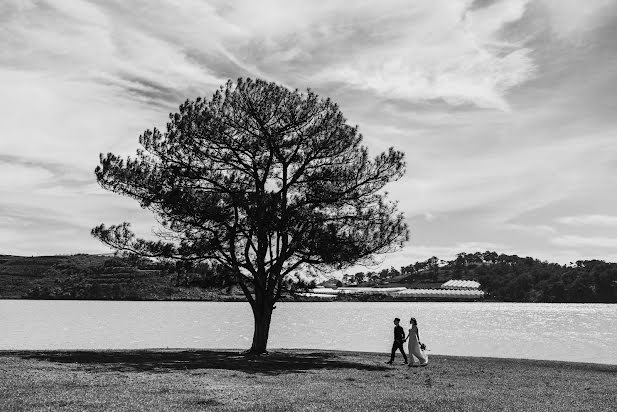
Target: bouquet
422	346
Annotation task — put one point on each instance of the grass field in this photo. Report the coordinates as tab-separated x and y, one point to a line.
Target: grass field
295	380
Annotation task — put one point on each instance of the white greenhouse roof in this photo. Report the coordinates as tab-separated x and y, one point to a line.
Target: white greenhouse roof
325	291
398	291
317	295
370	290
461	284
441	293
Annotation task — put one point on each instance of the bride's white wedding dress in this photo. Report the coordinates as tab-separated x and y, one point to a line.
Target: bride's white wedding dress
414	348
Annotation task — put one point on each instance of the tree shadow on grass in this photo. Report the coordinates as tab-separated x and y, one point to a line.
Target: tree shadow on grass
161	361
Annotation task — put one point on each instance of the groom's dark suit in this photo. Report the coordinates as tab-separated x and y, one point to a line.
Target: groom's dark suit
399	338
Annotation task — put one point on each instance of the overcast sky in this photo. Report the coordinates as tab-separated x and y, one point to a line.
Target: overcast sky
506	110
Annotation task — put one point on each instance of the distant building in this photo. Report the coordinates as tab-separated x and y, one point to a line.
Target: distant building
441	293
461	285
469	290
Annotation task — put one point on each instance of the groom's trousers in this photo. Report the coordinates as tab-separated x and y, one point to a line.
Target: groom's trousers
398	344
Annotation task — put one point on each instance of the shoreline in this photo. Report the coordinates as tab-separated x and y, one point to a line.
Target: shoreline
225	380
316	300
291	351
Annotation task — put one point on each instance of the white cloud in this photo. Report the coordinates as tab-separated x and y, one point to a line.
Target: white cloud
569	19
84	77
538	230
429	217
21	176
67	121
443	56
591	220
87	42
486	22
575	241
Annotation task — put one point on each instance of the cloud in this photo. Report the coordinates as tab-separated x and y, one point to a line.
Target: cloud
450	53
38	229
29	174
538	230
591	220
58	220
58	120
86	43
505	118
576	241
569	19
504	182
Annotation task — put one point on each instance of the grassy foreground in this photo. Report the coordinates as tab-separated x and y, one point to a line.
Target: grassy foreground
294	380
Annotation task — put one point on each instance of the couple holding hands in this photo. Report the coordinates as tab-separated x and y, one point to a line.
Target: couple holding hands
415	347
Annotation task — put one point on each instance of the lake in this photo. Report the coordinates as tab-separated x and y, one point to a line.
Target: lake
570	332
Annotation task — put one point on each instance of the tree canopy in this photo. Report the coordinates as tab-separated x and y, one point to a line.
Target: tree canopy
263	180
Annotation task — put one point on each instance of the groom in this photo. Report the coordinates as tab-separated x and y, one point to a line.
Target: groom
399	338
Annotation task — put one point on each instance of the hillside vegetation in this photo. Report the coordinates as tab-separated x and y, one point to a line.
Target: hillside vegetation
507	278
109	278
503	277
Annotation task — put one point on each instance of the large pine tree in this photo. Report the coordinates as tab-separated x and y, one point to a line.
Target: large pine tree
263	180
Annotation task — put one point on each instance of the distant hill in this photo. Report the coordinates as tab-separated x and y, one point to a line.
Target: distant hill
108	278
503	277
507	278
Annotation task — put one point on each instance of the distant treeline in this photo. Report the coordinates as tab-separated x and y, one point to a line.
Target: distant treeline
508	278
529	280
503	277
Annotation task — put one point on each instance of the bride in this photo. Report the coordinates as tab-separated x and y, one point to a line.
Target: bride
414	345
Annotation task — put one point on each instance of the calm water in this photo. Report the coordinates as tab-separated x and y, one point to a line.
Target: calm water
573	332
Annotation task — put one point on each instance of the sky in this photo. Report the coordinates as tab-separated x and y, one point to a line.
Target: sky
505	109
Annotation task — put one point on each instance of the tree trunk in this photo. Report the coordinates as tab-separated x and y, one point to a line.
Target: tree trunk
263	314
